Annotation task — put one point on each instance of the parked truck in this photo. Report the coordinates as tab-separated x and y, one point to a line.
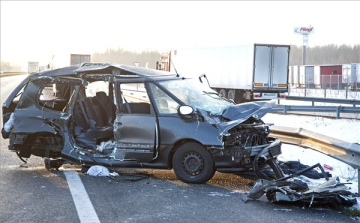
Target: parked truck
240	73
33	67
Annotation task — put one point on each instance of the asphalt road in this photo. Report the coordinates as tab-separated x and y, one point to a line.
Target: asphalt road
33	194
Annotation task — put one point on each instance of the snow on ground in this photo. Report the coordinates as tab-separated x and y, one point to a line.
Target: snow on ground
344	129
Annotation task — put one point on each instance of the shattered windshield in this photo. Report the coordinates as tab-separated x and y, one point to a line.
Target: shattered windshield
198	95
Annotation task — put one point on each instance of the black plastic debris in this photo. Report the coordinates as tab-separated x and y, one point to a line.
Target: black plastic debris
330	192
291	167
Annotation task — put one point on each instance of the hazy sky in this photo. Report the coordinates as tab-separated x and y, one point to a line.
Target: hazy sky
35	31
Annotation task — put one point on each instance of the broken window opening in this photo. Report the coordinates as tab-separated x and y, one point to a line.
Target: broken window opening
94	87
163	102
55	96
94	114
18	95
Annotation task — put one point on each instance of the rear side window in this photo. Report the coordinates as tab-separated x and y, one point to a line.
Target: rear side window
18	95
55	96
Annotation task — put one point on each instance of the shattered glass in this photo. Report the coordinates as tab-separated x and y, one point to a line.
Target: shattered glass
200	96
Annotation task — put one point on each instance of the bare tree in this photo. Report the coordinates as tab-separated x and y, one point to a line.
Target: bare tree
328	54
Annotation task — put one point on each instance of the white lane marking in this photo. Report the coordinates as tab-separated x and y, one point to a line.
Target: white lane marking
82	202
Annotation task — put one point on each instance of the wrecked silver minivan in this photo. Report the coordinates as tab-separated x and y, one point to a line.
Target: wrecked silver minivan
122	116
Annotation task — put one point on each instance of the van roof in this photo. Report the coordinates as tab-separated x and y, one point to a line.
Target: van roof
104	68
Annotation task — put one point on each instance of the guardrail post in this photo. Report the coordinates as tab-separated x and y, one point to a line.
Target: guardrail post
338	112
358	170
285	109
346	92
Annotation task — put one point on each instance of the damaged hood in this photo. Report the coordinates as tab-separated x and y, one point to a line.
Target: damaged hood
237	114
242	112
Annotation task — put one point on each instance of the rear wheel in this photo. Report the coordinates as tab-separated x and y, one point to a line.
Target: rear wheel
222	92
231	95
192	163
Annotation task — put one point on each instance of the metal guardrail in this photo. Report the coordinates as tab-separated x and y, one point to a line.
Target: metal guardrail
346	152
6	74
300	108
326	100
305	108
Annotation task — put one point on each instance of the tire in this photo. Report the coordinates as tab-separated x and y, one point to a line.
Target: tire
222	92
192	163
231	95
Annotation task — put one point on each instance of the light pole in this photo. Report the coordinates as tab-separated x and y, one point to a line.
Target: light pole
305	31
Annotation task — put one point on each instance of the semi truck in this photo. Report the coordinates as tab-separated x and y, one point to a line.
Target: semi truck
33	67
240	73
79	58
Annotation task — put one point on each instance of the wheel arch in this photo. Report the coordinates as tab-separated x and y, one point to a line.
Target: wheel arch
37	143
177	145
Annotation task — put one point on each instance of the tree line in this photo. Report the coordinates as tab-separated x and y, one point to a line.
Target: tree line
327	54
121	56
10	67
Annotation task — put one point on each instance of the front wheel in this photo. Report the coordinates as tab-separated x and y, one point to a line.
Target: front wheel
192	163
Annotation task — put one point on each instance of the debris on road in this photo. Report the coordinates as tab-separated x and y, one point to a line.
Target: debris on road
331	192
283	209
100	171
293	167
303	185
328	167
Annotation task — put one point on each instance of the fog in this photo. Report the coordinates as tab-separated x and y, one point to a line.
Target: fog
49	31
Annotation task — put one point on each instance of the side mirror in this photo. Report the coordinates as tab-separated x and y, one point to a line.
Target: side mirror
185	110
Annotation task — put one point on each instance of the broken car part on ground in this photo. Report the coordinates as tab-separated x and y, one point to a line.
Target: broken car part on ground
293	189
122	116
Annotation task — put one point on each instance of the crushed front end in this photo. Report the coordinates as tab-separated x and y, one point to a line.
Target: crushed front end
246	142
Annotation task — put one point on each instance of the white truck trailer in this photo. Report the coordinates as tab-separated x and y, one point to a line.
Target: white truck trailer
79	58
241	73
33	67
